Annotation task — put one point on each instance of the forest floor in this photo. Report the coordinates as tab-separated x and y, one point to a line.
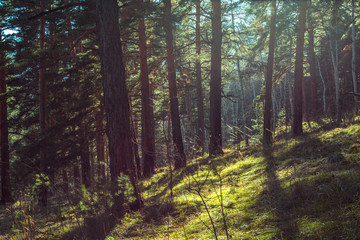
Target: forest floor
303	188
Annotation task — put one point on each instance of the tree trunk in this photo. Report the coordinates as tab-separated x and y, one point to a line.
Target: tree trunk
353	47
116	101
64	173
290	112
299	73
215	145
100	151
4	135
267	133
324	87
85	160
312	65
77	180
65	180
199	90
179	154
147	114
333	42
241	94
43	191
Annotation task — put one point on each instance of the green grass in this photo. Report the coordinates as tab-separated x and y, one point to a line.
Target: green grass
308	188
303	188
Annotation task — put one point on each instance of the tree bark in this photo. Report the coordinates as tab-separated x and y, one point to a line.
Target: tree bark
85	160
353	49
215	145
116	101
333	42
147	114
199	89
4	135
100	151
324	86
179	154
299	73
267	133
43	191
77	180
312	65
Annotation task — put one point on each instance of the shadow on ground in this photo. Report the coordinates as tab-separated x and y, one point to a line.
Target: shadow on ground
94	228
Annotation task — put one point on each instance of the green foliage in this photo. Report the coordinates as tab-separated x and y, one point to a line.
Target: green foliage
125	188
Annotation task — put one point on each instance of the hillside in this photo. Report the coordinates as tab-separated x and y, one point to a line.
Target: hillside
306	188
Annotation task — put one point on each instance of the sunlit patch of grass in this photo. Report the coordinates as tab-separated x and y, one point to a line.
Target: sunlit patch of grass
309	189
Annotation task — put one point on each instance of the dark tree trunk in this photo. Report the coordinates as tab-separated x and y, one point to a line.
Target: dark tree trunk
312	65
65	180
135	128
199	90
85	160
215	145
4	136
100	152
179	154
267	133
77	182
42	112
147	115
299	73
115	100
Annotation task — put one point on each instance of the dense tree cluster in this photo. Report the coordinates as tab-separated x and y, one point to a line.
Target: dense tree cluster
99	90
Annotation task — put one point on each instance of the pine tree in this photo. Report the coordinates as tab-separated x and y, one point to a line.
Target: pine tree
147	115
4	133
299	73
116	101
215	146
179	155
267	134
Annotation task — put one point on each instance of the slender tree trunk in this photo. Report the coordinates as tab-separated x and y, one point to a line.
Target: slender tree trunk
64	173
77	180
335	60
324	87
147	115
179	154
312	65
215	145
65	179
134	124
199	89
4	135
100	151
116	101
290	84
353	49
190	103
43	191
299	73
126	12
267	133
333	42
85	160
241	92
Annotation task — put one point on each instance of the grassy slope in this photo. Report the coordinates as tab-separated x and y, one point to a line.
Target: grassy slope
307	188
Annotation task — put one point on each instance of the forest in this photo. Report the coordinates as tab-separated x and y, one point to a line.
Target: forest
179	119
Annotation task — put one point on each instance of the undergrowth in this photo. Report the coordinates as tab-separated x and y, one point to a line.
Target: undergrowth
303	188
